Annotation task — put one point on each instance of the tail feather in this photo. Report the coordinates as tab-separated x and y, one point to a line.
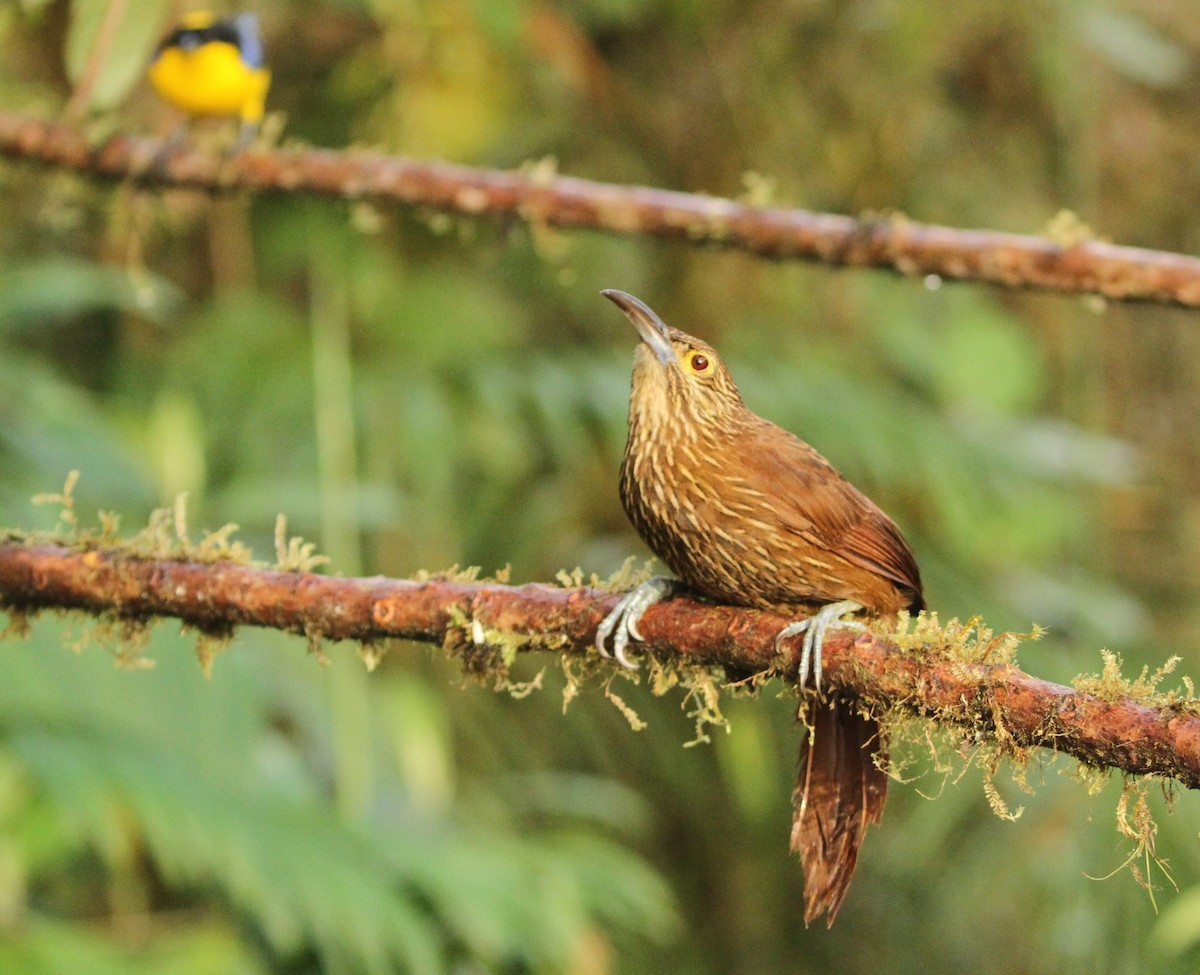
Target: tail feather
839	792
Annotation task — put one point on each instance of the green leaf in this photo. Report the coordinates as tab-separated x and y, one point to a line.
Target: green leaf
1131	46
120	49
36	295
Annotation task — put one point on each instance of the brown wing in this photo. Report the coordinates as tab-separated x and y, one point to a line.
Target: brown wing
811	499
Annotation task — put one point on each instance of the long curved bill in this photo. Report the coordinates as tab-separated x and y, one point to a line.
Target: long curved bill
649	326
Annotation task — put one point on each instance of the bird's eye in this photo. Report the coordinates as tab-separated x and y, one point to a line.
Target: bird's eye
698	362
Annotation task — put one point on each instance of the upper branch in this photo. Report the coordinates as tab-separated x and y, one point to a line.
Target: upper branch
995	700
896	243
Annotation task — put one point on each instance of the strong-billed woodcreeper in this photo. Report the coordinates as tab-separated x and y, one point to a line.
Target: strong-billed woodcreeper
744	512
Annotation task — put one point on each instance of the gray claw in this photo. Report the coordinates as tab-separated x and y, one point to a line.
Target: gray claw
814	629
622	623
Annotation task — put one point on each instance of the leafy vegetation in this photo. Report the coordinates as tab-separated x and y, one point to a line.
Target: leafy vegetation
416	392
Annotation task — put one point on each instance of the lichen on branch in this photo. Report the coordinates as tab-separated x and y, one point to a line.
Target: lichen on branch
960	675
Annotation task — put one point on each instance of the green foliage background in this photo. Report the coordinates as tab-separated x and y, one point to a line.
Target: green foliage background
415	391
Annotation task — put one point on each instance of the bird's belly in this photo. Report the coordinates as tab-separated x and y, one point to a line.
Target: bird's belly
731	561
210	81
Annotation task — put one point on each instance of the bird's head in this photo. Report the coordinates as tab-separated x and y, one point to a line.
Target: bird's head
197	20
201	27
675	375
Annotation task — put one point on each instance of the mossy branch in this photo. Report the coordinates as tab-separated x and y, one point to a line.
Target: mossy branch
1067	259
926	670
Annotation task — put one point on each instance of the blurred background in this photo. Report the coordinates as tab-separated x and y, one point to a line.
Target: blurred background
415	391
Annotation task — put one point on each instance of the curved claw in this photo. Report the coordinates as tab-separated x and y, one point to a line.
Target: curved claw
622	623
814	629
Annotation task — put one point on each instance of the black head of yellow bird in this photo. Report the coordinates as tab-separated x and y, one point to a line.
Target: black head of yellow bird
210	66
744	512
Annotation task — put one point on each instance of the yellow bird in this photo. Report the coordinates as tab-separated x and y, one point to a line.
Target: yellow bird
210	66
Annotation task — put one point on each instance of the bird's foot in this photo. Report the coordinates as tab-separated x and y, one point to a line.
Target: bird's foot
814	629
247	136
162	155
621	624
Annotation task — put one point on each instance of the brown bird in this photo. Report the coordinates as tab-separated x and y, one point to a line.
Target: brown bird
744	512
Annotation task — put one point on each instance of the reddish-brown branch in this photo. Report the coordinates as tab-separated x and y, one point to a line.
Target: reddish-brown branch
214	596
1124	273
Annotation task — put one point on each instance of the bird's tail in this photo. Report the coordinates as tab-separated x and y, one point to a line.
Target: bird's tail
839	791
